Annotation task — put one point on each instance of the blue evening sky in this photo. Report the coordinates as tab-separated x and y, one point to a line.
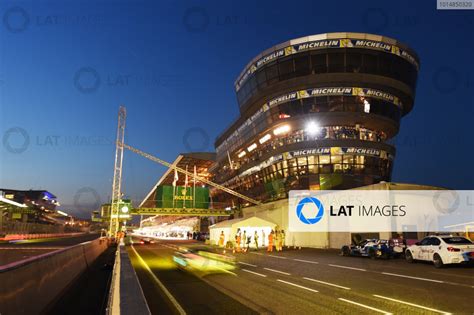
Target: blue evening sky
66	66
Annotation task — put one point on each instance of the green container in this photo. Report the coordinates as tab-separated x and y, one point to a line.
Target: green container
179	197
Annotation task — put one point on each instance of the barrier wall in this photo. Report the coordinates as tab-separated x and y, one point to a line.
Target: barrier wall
126	295
30	285
29	236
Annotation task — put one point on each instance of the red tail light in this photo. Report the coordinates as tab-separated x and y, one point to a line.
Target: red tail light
142	242
453	249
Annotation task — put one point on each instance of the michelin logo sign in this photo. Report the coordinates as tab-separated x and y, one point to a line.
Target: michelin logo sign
380	210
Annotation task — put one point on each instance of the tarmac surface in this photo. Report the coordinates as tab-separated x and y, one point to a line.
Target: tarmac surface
306	281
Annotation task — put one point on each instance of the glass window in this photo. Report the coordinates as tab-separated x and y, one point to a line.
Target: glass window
336	159
302	161
324	159
286	69
292	162
302	64
311	160
353	62
359	159
348	159
337	168
347	168
385	64
313	169
358	169
435	241
370	63
425	241
336	62
319	64
261	78
325	169
272	73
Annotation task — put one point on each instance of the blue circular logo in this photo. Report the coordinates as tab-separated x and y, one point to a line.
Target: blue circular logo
310	200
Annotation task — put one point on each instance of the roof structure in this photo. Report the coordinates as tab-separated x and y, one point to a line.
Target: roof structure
202	160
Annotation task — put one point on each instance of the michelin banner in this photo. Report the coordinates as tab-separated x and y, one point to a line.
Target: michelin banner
381	210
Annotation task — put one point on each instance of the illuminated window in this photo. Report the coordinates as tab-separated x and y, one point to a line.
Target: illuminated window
281	130
324	159
252	147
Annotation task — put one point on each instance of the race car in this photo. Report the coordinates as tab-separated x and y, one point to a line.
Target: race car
373	248
442	250
145	241
203	260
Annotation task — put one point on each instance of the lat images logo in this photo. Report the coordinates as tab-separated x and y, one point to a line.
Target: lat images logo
310	202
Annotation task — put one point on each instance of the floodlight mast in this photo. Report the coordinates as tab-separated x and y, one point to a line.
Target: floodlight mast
117	181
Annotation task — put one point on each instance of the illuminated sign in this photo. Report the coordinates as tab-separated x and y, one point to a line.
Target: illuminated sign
324	44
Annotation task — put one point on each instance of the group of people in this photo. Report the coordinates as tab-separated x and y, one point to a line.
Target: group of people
276	239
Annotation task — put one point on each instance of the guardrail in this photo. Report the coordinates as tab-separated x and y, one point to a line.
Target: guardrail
125	295
29	236
30	285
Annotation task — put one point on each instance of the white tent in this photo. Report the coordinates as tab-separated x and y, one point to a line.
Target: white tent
248	225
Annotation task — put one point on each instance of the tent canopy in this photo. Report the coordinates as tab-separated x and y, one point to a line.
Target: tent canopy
251	221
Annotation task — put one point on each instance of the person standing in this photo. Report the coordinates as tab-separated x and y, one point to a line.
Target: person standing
255	239
244	239
270	242
277	240
282	239
263	238
237	241
249	239
221	239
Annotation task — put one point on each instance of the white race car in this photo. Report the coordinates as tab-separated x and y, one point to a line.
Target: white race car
442	250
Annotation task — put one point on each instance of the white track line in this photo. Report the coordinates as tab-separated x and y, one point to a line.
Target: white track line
281	257
298	286
247	264
411	304
346	267
255	273
365	306
410	277
306	261
282	272
327	283
160	284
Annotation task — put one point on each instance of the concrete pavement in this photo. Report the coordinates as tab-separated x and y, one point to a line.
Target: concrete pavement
312	280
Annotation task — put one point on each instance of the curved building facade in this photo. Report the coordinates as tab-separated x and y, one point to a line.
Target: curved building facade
317	112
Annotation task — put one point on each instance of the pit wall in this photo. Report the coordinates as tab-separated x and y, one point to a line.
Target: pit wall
29	286
28	236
